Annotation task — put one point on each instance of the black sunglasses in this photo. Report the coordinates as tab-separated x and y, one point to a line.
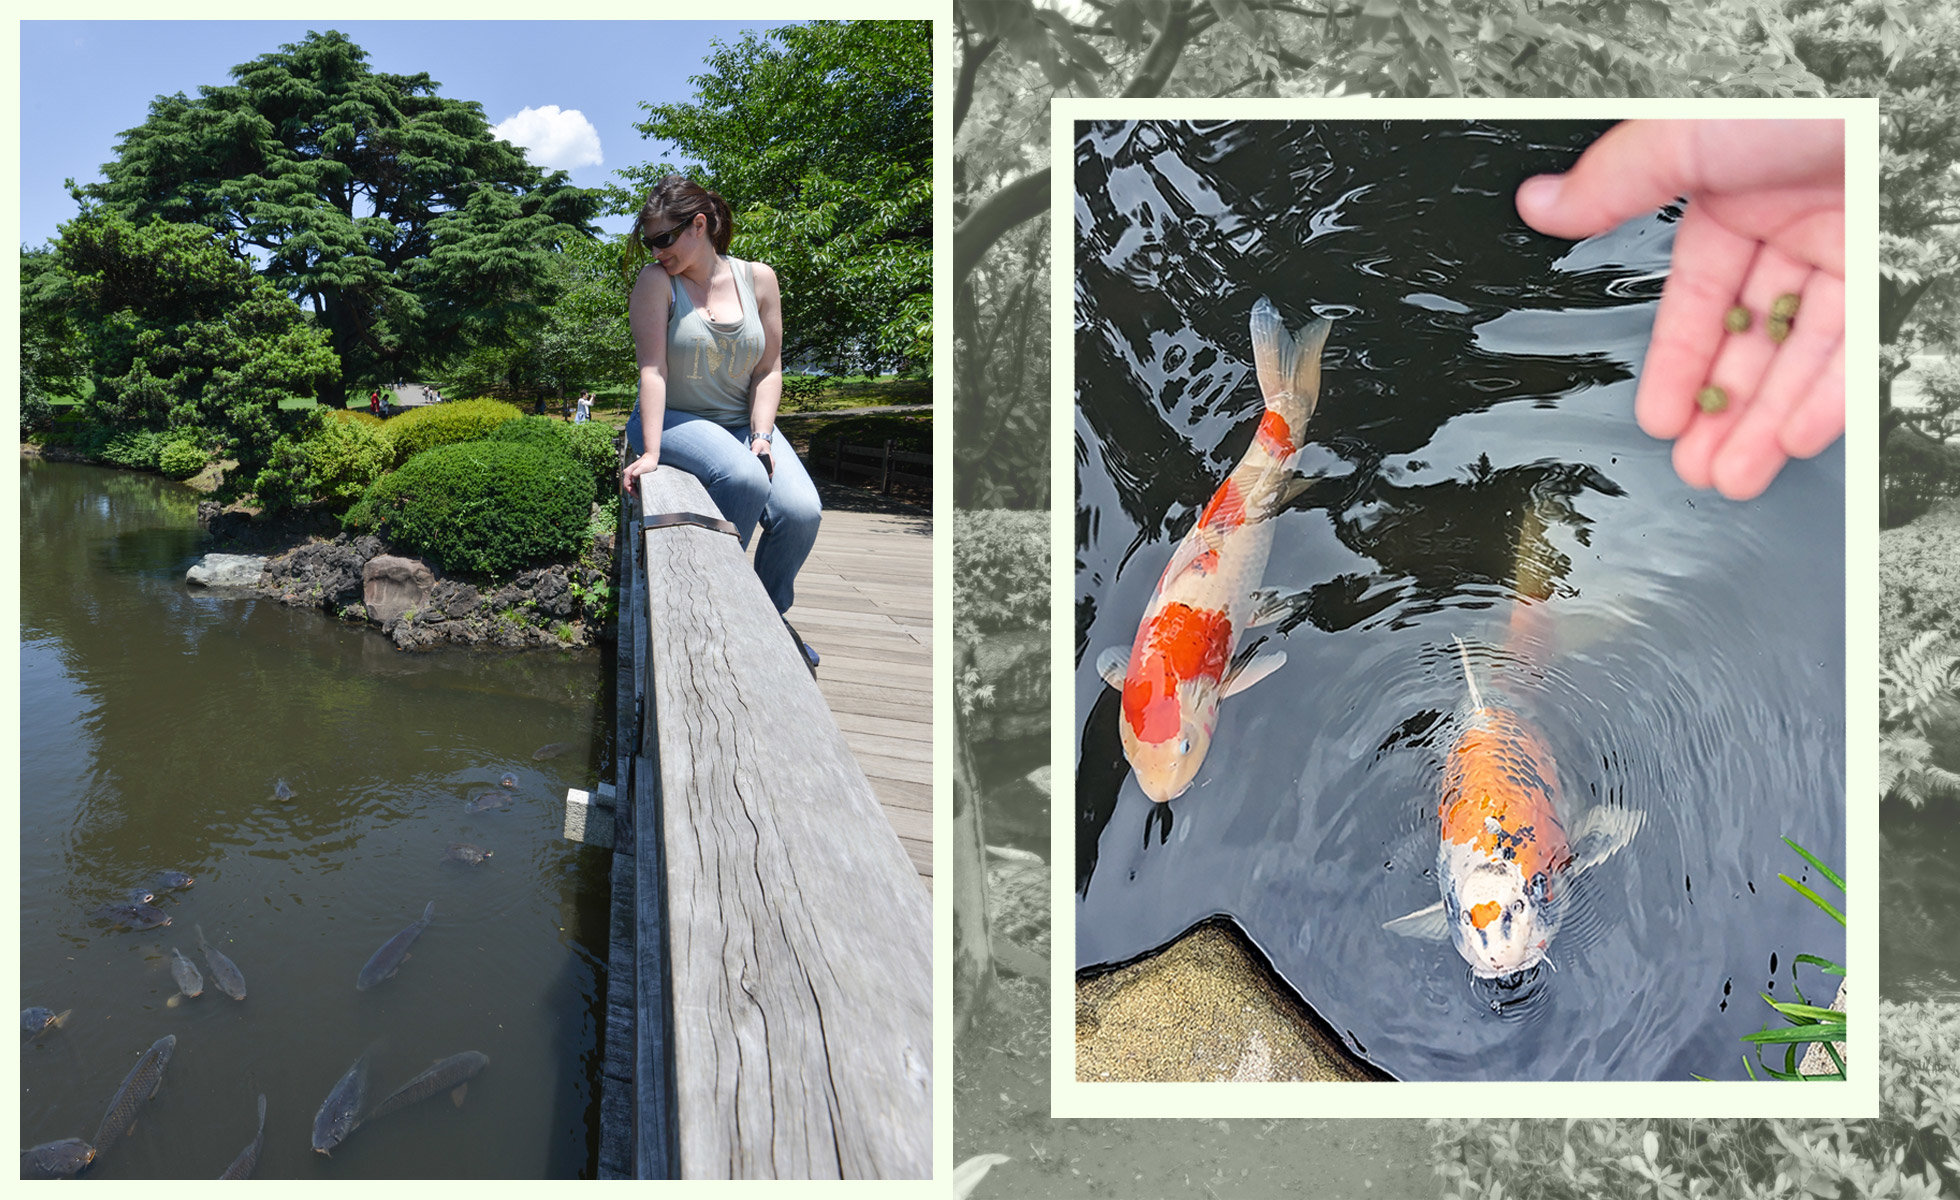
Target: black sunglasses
661	241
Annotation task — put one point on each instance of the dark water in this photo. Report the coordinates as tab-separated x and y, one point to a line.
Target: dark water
1476	411
155	724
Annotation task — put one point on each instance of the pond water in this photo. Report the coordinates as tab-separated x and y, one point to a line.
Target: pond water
1682	656
156	723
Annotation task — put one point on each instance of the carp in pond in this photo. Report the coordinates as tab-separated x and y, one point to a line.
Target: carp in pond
38	1020
1505	862
141	895
463	852
1185	657
394	951
340	1112
550	750
281	790
56	1160
139	1085
509	780
451	1075
132	916
224	972
485	801
248	1158
172	881
189	981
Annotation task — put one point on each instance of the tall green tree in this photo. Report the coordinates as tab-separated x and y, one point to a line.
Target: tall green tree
820	137
51	362
389	209
182	335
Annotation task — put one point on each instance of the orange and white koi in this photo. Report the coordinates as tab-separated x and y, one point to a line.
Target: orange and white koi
1505	863
1184	659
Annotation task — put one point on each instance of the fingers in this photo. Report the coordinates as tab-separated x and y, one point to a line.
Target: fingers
1710	265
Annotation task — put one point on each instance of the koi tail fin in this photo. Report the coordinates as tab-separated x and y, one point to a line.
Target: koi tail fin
1288	364
1469	676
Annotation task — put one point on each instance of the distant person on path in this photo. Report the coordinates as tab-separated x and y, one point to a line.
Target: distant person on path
584	413
374	402
709	335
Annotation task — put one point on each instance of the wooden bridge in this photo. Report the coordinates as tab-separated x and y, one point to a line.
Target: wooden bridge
769	1007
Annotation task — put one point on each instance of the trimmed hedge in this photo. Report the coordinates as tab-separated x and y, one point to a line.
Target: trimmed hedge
333	463
485	507
591	445
426	427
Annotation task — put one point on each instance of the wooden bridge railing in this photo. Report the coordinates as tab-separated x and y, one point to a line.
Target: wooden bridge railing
797	934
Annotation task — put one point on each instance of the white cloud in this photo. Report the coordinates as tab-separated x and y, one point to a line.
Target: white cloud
552	139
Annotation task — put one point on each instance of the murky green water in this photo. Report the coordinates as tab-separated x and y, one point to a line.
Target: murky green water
156	721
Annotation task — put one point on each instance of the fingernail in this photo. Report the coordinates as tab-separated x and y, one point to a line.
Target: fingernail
1540	192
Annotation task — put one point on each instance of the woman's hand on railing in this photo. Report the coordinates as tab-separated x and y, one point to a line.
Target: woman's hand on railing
643	465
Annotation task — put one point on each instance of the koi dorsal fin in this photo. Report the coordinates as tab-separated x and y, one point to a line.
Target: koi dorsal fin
1469	676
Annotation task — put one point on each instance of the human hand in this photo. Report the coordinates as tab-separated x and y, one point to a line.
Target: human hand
1765	217
643	465
759	446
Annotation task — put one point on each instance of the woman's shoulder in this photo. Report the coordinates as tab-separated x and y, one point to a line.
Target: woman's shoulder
762	275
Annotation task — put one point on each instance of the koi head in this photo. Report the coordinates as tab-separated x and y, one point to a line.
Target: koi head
1500	921
1165	769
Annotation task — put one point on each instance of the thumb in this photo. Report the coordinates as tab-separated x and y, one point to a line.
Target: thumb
1634	168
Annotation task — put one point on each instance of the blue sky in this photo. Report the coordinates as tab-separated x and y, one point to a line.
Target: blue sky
82	83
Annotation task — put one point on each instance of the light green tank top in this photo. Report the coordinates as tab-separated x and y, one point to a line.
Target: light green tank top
709	362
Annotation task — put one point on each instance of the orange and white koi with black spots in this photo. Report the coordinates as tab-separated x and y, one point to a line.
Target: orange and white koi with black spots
1183	660
1505	863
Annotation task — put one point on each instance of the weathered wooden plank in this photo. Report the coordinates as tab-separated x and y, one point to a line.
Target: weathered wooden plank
850	721
885	767
903	749
800	944
657	1113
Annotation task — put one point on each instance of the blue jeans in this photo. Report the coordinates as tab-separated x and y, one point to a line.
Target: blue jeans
786	504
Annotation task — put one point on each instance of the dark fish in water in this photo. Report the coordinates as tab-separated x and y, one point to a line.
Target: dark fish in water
132	916
388	959
451	1075
189	981
38	1020
248	1158
550	750
139	1085
56	1160
509	780
463	852
485	801
172	881
340	1113
282	790
224	972
141	895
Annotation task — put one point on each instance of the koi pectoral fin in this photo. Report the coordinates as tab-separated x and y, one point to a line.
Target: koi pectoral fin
1602	833
1243	675
1113	664
1427	923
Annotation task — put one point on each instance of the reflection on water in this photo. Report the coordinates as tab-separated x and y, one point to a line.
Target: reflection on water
156	725
1477	474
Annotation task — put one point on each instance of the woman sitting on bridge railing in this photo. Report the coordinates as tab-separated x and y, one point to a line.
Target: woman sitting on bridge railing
709	333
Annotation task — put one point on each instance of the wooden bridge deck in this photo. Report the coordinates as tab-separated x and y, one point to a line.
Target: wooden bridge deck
864	603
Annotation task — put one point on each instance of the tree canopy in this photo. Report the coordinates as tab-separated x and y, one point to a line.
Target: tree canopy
182	334
389	209
819	136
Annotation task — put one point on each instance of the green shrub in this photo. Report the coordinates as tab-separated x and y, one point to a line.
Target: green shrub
134	449
1000	571
181	458
1911	1149
592	446
355	416
801	389
429	426
486	507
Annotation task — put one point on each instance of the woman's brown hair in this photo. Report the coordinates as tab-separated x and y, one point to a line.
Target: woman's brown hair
674	200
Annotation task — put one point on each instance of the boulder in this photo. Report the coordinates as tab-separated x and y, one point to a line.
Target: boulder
392	586
227	570
321	574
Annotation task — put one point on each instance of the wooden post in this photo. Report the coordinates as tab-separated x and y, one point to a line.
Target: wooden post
837	462
885	483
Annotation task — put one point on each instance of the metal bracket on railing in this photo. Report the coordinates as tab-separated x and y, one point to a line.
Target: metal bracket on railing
662	520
